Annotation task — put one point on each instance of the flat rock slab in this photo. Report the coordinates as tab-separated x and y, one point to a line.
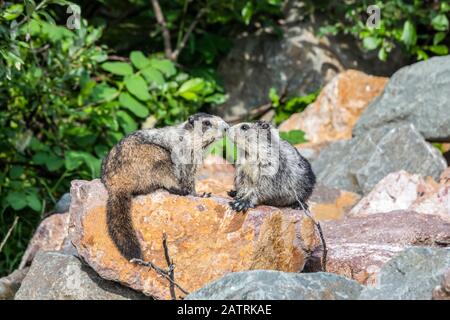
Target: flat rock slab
358	164
206	240
359	247
417	94
275	285
56	276
411	275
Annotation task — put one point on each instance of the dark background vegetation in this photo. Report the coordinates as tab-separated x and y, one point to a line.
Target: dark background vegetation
67	96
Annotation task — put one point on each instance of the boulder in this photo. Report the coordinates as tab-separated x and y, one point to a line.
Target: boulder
411	275
360	163
359	247
50	235
56	276
275	285
11	283
295	62
417	94
332	116
404	191
205	239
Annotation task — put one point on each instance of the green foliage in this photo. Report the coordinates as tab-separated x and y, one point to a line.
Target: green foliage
419	27
285	107
64	104
293	136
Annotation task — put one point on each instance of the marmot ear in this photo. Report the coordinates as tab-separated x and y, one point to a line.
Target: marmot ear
190	123
265	125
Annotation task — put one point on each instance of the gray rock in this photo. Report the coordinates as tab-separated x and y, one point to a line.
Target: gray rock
56	276
272	285
297	62
360	163
412	275
419	94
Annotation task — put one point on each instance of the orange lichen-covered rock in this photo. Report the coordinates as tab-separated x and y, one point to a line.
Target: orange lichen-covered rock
332	116
205	239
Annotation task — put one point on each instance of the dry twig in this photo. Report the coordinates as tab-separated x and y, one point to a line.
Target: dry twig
322	238
8	234
167	274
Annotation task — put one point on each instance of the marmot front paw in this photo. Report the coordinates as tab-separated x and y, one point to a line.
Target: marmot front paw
241	205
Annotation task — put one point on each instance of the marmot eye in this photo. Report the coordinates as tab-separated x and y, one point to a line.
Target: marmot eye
207	123
245	127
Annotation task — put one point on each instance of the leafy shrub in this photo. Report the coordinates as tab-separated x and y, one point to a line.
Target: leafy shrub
419	27
64	104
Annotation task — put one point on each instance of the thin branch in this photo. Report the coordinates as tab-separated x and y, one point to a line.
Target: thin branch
188	33
171	267
169	274
322	238
8	234
165	30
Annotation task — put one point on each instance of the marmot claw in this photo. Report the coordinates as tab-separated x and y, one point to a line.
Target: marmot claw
241	205
232	193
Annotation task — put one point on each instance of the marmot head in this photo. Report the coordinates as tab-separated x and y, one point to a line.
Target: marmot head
204	129
253	136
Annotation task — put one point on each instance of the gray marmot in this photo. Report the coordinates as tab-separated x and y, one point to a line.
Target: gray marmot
269	170
151	159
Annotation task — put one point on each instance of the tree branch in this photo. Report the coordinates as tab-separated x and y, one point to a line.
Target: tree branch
165	30
8	234
188	33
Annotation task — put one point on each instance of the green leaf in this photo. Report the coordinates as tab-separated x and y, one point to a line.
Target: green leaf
382	54
438	37
16	172
138	87
274	97
12	12
74	159
441	50
440	22
54	163
126	122
165	66
139	60
371	43
247	12
103	92
409	34
119	68
33	201
133	105
195	85
293	136
16	200
152	75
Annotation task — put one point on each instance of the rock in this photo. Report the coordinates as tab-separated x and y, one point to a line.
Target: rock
51	235
206	240
360	163
63	204
11	283
332	116
330	204
404	191
442	292
411	275
295	63
216	175
418	94
56	276
275	285
359	247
